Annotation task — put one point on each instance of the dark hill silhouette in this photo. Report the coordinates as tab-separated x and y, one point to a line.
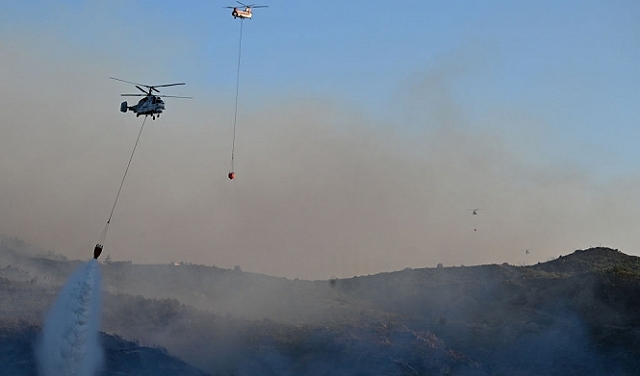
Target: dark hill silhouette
593	260
573	315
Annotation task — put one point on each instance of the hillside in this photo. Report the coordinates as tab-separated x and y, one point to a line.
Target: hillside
122	357
573	315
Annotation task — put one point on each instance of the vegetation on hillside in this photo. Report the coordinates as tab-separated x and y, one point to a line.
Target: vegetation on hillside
573	315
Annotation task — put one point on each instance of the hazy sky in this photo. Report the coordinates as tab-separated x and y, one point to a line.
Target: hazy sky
366	132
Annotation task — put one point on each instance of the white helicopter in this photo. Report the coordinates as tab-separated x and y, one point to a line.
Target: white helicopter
151	105
246	13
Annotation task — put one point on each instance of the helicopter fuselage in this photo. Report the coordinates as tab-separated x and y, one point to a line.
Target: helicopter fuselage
149	105
239	13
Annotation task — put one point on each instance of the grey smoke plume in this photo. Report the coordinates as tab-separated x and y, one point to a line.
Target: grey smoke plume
69	344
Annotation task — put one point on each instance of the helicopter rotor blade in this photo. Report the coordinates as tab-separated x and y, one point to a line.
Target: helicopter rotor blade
159	96
244	5
260	6
151	88
166	85
129	82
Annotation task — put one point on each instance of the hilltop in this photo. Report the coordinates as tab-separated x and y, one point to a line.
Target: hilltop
572	315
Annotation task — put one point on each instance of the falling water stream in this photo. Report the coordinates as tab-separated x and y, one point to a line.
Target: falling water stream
69	344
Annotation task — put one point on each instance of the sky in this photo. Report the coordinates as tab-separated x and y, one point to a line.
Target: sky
366	132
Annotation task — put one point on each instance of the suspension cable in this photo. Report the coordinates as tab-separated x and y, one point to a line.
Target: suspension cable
235	115
113	208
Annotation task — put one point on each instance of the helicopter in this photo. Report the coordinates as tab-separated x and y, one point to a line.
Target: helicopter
151	105
475	212
246	13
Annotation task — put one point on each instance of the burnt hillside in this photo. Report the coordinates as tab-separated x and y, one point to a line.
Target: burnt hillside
573	315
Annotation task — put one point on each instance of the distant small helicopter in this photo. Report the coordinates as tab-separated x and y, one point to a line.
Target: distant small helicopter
246	13
151	105
474	211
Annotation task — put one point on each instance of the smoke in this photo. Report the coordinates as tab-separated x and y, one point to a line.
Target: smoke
322	188
69	344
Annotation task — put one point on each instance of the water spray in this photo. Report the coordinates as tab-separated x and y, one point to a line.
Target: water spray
69	344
